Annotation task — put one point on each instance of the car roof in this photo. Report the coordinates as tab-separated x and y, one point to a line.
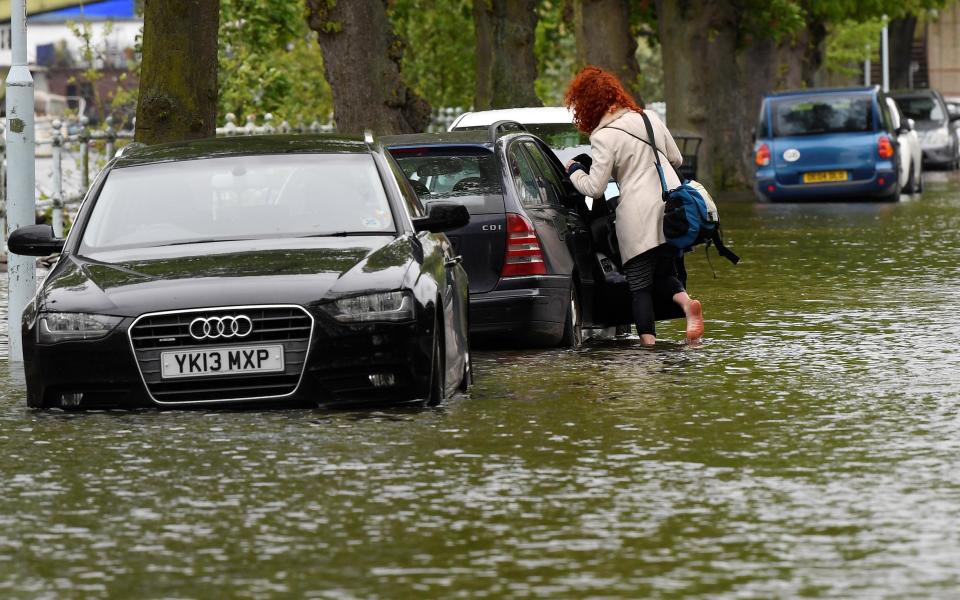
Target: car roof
241	146
534	114
818	91
473	137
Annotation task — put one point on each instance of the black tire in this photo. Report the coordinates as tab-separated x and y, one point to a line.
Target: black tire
573	324
920	181
438	392
890	198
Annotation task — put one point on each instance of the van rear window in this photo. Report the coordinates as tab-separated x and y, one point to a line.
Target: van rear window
812	115
466	175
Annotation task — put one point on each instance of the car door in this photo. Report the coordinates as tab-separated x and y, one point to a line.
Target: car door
569	223
542	215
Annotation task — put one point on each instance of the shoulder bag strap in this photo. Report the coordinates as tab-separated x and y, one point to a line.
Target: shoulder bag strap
656	153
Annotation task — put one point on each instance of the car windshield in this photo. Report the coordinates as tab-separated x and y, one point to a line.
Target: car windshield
921	108
240	197
811	115
466	175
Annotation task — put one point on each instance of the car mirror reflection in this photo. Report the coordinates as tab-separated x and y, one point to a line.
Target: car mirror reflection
34	240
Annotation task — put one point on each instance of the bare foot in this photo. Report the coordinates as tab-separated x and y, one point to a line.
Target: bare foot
648	340
694	312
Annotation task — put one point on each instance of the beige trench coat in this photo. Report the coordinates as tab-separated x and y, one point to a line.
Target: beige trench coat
631	163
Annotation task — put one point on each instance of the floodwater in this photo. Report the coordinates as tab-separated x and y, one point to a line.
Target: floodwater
809	447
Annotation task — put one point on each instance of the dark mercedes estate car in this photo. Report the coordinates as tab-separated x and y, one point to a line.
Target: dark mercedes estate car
542	263
248	270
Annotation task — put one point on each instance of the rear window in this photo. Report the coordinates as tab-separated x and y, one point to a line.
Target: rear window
813	115
468	176
921	108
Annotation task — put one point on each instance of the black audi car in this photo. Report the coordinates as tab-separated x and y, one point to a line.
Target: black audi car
542	260
264	270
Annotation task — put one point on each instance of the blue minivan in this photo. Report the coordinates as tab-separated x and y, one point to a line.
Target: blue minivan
826	144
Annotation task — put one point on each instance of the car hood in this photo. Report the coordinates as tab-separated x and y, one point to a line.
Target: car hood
297	271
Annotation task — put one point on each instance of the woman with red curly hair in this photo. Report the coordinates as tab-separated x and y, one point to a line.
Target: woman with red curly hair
622	149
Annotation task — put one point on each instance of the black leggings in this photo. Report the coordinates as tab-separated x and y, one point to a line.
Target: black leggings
653	272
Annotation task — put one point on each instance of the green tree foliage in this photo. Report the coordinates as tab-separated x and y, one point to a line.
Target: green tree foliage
849	43
439	60
556	50
270	61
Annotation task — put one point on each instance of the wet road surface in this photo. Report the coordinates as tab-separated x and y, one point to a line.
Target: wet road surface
809	447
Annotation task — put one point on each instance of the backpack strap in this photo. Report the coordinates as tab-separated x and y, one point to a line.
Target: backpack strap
722	249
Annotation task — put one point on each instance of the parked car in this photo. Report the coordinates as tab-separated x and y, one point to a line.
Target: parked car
935	126
909	151
827	144
538	258
294	269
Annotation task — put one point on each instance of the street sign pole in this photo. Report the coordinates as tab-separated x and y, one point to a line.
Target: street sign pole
21	202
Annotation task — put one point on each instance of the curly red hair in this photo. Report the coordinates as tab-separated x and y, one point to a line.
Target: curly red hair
593	93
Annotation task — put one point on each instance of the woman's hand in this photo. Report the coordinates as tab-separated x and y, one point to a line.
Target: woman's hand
574	166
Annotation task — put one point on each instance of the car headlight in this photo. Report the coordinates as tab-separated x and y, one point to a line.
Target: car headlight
61	327
385	306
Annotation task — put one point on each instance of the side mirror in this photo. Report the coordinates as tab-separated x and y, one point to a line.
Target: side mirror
34	240
910	124
443	216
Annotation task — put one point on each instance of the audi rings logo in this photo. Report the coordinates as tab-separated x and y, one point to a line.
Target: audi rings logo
214	328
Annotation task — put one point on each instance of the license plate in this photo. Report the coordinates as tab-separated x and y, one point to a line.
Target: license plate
232	360
825	176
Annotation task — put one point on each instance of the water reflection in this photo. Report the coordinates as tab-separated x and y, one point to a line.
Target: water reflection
808	447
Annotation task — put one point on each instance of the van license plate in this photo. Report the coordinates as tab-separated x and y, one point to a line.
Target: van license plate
825	176
232	360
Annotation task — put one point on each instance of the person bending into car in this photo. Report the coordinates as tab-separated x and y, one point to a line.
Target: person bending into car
603	109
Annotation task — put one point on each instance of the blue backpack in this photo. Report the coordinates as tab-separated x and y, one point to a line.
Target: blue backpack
690	216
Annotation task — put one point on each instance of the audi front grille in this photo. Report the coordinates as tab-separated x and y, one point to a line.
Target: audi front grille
154	333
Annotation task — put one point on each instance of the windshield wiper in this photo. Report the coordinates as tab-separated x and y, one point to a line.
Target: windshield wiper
205	241
349	233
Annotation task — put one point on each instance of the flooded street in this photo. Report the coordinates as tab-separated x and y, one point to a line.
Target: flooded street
809	447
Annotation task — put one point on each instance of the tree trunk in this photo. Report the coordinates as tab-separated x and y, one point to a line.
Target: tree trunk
506	64
604	40
362	56
900	35
178	82
715	76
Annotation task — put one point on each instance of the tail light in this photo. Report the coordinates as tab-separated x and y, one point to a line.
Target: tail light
523	256
885	147
763	155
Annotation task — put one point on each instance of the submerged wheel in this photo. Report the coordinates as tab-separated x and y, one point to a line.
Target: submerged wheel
573	326
438	392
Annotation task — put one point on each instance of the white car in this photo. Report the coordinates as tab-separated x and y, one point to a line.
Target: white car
552	124
911	153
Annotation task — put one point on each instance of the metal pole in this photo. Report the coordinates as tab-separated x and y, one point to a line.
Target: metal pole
57	217
21	175
866	68
885	55
111	136
84	154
